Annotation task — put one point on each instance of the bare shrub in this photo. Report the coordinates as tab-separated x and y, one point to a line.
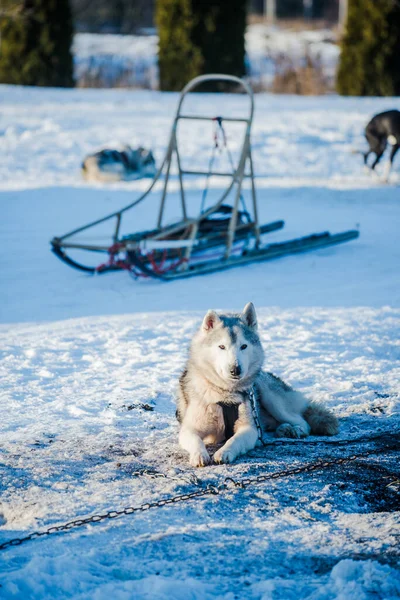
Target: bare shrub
303	77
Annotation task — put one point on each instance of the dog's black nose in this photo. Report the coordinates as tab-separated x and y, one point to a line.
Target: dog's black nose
235	371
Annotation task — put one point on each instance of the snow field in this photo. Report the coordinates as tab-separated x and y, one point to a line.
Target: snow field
89	365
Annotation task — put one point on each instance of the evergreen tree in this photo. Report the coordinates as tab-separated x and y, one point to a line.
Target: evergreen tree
370	58
35	43
219	28
179	60
199	37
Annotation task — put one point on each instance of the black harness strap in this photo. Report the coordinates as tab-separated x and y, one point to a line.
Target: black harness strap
231	415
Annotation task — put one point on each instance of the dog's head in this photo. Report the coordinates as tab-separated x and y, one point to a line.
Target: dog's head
228	349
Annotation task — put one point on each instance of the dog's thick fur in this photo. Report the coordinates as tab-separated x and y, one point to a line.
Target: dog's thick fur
383	128
123	164
225	361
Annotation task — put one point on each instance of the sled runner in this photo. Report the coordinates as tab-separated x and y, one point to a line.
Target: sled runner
223	235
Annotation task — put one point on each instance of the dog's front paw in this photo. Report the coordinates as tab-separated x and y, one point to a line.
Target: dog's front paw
224	455
200	459
290	431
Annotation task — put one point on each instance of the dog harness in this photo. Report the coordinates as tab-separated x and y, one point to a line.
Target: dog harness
231	415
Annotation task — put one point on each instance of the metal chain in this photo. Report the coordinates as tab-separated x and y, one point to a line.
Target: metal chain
209	490
361	439
111	514
253	405
321	464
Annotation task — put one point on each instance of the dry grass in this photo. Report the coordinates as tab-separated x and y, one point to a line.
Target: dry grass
296	24
305	77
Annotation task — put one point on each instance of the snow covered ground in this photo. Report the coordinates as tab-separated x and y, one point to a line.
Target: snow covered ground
89	364
110	60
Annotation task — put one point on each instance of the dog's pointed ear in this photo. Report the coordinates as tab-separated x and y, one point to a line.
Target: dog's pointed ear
249	316
211	321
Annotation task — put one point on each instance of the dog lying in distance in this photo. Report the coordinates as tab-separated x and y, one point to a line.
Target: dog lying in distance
119	164
383	129
213	406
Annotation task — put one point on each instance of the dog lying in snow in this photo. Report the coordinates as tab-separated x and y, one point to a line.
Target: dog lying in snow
124	164
383	129
213	405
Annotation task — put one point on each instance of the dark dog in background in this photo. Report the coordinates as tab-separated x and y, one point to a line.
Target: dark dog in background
383	129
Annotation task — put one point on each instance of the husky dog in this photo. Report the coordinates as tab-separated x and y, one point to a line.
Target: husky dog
124	164
213	405
383	129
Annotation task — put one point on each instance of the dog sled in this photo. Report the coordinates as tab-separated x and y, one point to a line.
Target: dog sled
224	235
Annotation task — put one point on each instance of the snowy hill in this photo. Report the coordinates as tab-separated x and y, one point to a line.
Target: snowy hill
89	364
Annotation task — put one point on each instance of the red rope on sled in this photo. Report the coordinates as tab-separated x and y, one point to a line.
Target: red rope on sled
112	262
123	264
158	268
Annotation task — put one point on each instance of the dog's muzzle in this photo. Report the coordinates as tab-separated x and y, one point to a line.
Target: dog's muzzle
236	372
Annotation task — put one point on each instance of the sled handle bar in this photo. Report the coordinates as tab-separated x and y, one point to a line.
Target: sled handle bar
197	81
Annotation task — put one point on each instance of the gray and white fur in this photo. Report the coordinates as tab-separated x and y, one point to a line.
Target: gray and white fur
119	164
225	361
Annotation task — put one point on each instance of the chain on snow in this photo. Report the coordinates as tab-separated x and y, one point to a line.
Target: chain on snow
254	411
227	484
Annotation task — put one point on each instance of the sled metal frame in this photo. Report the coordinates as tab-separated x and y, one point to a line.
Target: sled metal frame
192	241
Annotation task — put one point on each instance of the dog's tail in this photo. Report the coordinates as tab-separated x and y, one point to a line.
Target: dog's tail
321	420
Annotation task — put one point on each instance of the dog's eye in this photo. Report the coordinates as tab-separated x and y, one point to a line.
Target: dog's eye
243	347
221	347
